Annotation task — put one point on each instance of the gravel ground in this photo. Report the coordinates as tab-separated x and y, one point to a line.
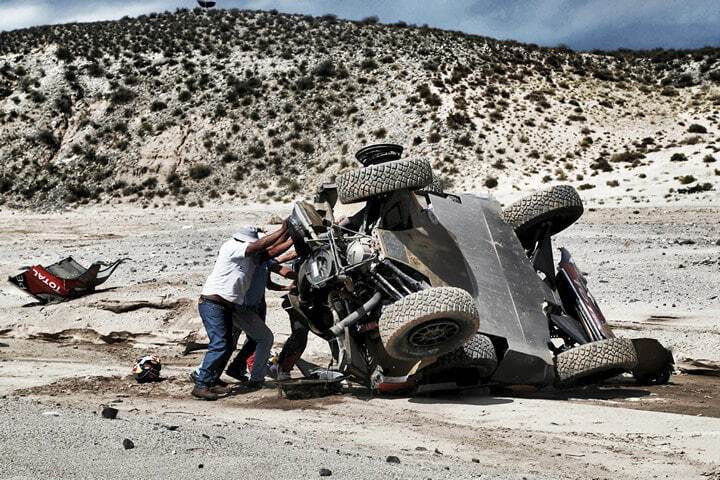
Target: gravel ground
56	355
81	444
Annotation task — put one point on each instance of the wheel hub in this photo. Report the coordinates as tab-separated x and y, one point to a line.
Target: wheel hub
433	333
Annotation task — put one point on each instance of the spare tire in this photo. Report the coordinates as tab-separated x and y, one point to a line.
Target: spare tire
361	184
595	361
477	353
435	186
560	206
428	323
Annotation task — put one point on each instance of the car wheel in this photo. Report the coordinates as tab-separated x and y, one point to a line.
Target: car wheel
560	206
477	353
595	361
361	184
428	323
435	186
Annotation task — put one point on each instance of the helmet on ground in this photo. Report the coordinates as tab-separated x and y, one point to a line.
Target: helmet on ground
147	369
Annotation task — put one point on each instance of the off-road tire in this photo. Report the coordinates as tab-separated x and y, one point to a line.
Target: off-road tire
594	361
477	353
361	184
404	323
560	205
435	186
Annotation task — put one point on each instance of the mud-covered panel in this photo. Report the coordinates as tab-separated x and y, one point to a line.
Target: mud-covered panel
432	251
508	291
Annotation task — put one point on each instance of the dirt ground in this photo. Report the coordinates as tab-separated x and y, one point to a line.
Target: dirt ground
654	271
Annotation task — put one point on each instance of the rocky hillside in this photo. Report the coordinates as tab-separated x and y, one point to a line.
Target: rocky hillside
189	107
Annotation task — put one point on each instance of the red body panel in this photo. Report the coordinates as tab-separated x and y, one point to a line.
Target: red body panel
38	281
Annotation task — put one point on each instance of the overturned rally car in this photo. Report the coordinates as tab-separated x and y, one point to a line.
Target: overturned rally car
423	289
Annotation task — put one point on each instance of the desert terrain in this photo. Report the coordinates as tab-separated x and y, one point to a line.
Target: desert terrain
59	364
154	137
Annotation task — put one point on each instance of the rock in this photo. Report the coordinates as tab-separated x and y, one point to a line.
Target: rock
51	414
421	449
4	345
200	465
392	459
325	472
172	428
128	444
438	452
275	219
685	241
109	412
476	460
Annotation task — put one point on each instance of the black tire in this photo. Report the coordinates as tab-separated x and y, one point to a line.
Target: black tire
435	186
361	184
595	361
428	323
560	205
477	353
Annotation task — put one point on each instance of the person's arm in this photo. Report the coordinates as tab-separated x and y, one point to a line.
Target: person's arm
283	271
266	244
280	248
289	256
276	286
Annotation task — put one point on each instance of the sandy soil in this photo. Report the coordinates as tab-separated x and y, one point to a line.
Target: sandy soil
70	358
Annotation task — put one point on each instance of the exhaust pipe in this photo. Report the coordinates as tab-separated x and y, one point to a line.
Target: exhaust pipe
352	319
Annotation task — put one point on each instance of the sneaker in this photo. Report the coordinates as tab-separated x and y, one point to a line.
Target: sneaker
219	383
204	393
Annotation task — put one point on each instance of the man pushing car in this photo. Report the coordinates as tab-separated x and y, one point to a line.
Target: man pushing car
221	303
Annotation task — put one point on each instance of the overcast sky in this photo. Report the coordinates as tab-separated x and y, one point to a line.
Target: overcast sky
581	24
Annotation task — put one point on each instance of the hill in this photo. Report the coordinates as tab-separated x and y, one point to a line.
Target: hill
186	107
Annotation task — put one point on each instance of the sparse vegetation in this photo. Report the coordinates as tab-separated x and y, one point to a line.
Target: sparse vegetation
291	116
199	171
678	157
696	128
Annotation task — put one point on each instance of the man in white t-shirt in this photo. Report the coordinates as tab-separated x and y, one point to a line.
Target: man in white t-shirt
223	295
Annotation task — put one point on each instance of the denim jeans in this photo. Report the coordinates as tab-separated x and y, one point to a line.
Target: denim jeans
250	322
217	319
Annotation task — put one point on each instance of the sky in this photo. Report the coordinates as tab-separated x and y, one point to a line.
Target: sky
579	24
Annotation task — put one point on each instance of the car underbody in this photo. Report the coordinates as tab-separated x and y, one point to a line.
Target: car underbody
423	289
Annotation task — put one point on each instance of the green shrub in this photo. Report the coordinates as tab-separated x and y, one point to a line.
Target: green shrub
157	106
199	171
303	146
686	179
627	157
121	95
325	68
678	157
696	128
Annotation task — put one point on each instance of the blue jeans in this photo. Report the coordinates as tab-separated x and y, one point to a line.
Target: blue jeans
254	327
217	320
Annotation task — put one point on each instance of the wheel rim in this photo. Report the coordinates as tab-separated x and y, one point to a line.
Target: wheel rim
433	333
